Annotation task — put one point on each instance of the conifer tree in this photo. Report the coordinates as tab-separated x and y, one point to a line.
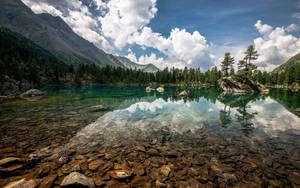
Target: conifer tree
245	66
227	63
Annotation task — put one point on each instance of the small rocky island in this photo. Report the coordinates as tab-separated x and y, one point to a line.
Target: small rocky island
235	85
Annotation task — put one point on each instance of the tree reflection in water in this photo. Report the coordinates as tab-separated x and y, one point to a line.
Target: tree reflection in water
243	113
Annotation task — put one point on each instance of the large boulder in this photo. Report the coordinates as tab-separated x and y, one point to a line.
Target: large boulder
76	179
32	93
230	85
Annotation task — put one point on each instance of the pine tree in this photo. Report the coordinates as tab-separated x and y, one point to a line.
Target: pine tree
245	66
227	63
251	54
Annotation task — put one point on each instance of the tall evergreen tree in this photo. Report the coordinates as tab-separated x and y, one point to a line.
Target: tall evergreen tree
227	63
245	66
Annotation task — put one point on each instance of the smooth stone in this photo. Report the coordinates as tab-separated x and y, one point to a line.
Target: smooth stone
181	173
139	170
216	169
9	160
32	93
139	181
165	170
153	152
94	165
183	94
43	171
97	108
229	178
80	157
11	168
47	181
77	179
172	154
140	148
159	184
148	89
63	160
99	182
23	183
105	169
120	174
160	89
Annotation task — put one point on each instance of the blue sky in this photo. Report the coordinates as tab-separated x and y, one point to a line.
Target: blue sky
229	21
192	33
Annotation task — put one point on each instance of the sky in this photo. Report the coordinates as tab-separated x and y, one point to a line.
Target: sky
190	33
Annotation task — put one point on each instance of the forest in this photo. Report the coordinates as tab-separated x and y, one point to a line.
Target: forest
22	60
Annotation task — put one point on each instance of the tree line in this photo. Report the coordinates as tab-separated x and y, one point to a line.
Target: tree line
21	59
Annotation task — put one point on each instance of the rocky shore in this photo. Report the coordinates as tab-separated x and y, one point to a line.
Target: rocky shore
167	160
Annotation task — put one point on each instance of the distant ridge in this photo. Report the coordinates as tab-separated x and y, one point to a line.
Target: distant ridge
131	65
54	35
293	61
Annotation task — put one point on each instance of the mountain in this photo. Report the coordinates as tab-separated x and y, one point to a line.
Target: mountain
23	48
295	60
131	65
52	34
24	64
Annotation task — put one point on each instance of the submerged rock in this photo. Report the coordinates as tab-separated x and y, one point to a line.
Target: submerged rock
47	181
94	165
139	181
11	164
77	179
229	178
183	94
32	93
120	174
165	170
23	183
97	108
10	160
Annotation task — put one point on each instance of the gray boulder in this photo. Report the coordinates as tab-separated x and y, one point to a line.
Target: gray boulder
183	94
32	93
76	179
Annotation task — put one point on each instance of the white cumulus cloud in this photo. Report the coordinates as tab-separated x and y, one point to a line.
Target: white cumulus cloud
125	17
292	27
275	45
181	47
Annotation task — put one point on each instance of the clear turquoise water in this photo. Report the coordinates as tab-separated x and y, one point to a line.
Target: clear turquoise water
262	128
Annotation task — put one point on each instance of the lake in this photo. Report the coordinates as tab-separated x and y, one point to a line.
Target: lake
208	139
